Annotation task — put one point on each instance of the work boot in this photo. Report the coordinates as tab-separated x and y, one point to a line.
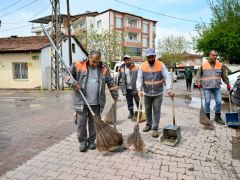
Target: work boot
130	116
155	134
92	145
208	115
218	119
147	128
83	147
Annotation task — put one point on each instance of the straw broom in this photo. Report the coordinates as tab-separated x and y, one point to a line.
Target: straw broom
135	138
203	119
107	136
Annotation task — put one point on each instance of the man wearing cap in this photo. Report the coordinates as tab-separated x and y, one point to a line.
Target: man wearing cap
151	77
128	73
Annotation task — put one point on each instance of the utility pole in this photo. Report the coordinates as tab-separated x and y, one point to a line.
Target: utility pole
69	34
56	80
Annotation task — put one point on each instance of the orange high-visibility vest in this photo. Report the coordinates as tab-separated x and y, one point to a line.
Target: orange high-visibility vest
152	78
211	77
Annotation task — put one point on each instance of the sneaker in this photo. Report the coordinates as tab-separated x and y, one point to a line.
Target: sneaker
155	134
92	145
83	147
147	128
130	116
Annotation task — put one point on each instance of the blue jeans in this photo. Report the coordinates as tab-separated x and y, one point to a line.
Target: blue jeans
217	96
153	110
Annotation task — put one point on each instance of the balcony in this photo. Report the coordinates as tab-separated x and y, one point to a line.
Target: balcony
132	29
132	44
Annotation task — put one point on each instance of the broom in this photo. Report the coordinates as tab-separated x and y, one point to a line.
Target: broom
135	138
110	117
203	119
107	136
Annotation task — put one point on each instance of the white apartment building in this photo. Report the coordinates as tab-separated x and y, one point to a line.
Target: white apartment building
136	33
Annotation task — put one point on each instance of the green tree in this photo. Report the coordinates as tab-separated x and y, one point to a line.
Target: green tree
107	42
171	48
223	33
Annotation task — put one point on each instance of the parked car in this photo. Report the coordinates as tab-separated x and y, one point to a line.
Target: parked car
180	74
236	92
232	75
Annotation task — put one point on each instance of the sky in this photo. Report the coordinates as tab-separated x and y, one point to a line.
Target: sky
17	13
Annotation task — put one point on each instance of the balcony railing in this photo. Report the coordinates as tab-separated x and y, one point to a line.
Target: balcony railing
132	29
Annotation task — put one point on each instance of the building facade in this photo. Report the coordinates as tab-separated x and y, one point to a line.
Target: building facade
135	33
25	62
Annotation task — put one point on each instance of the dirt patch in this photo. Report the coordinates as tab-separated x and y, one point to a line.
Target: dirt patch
236	148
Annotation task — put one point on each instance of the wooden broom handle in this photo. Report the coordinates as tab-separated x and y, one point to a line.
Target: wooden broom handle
139	105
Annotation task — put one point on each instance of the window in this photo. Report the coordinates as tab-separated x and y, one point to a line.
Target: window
99	24
73	48
133	51
118	22
20	71
145	42
145	28
132	36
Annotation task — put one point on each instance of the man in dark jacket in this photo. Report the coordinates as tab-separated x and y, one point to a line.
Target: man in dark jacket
128	74
188	76
90	77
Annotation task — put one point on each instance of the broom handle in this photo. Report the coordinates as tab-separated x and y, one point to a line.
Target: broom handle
173	104
139	106
61	60
201	96
115	115
230	103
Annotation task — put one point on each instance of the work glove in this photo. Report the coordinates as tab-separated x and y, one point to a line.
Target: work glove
228	87
199	85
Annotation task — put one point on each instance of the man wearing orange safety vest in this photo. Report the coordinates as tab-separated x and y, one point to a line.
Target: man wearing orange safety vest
91	77
151	77
128	74
209	78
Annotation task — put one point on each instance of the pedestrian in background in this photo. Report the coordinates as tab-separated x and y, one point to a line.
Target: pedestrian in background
91	77
209	78
128	74
188	76
151	77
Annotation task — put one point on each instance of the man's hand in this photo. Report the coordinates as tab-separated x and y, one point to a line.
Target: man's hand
124	94
229	87
171	94
140	93
77	87
199	85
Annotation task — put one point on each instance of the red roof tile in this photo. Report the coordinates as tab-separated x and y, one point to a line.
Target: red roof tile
23	44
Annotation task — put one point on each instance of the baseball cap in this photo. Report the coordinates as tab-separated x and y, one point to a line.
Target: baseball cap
150	52
126	57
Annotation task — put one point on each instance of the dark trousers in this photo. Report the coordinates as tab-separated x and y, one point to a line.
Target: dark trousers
188	84
153	107
83	119
130	97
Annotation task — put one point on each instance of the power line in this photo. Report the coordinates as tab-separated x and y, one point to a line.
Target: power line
161	14
44	9
19	8
15	28
3	9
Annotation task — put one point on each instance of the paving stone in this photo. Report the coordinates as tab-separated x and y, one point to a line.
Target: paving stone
52	174
168	174
184	177
96	175
111	177
35	177
66	176
127	174
66	169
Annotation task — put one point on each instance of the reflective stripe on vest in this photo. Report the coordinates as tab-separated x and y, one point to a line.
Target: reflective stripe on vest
211	77
152	78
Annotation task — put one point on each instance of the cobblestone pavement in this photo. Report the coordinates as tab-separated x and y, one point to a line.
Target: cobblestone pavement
201	154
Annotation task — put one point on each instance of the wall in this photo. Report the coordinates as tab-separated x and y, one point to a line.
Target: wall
105	22
6	73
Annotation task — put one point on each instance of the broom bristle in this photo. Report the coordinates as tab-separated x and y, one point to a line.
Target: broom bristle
203	119
109	119
135	139
107	136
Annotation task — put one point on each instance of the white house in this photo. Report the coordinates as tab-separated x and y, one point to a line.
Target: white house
25	62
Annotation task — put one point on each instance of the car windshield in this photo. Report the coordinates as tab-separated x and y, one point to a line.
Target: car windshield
232	68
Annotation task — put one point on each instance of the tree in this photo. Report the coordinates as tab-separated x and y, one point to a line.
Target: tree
223	33
108	42
171	49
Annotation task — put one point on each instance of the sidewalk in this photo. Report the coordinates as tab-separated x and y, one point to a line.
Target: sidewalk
201	154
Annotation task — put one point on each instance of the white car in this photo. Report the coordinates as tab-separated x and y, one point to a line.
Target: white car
234	72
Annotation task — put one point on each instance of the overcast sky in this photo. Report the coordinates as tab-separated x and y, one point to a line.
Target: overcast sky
17	13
